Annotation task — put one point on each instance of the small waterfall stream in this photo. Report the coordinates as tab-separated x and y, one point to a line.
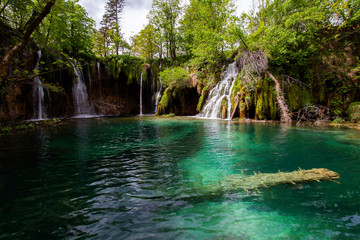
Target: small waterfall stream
214	104
38	94
141	95
98	66
81	99
158	93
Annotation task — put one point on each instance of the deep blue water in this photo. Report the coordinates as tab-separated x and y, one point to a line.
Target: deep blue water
139	178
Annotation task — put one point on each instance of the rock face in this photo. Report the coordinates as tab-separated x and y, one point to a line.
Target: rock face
109	95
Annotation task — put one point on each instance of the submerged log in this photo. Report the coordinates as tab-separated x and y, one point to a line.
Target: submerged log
258	181
266	180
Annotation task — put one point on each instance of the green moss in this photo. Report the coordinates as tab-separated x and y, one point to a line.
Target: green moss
259	110
262	100
354	112
272	103
128	65
170	115
201	99
242	106
297	97
200	103
164	102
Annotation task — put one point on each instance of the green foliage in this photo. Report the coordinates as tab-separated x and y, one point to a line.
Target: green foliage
111	25
67	29
129	65
354	112
297	97
201	99
164	102
6	129
337	106
209	29
174	77
338	120
170	115
144	43
164	17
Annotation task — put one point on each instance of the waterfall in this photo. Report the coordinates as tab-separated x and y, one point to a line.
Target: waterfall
158	93
141	95
81	99
98	70
38	93
214	104
98	66
158	97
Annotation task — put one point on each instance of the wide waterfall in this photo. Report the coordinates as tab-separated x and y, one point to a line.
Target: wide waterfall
219	96
38	94
141	95
81	100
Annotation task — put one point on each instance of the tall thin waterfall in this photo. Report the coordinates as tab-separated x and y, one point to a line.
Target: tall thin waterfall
38	94
81	100
98	66
158	93
98	70
214	104
141	95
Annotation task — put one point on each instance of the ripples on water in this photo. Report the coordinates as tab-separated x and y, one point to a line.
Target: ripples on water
135	178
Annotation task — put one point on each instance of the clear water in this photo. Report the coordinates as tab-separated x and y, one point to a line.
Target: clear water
133	178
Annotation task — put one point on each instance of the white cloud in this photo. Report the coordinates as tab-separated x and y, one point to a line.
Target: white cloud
135	11
95	9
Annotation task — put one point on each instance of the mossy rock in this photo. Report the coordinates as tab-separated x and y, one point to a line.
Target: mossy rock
354	112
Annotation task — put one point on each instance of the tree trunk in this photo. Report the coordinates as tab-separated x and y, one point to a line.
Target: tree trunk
284	109
235	108
34	22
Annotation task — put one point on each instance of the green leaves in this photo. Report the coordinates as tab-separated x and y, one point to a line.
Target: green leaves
174	77
164	16
145	43
210	29
111	25
67	29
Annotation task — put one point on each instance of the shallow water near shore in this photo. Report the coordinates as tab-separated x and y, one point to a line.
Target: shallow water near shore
134	178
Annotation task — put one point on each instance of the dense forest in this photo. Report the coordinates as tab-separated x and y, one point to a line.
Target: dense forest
293	60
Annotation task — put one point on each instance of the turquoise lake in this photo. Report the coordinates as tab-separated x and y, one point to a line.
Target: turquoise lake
137	178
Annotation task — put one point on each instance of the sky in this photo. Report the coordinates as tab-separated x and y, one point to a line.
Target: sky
135	12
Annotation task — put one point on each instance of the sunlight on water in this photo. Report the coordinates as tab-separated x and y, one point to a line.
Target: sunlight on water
145	178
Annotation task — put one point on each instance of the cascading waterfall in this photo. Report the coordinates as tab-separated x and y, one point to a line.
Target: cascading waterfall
213	106
81	99
38	94
158	93
141	95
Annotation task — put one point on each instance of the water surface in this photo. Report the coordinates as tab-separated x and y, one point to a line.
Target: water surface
134	178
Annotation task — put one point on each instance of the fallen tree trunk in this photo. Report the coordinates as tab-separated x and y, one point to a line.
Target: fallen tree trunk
238	182
266	180
235	108
284	109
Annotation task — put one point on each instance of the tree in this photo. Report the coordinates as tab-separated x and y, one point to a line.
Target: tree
67	29
164	16
144	43
174	77
111	22
32	24
205	29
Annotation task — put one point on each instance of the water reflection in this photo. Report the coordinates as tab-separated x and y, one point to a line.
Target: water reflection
135	178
